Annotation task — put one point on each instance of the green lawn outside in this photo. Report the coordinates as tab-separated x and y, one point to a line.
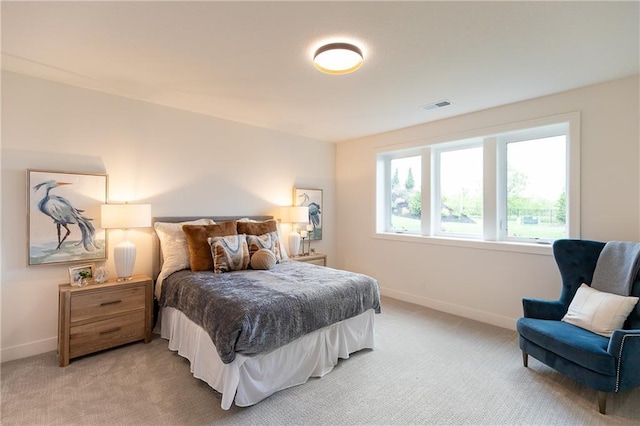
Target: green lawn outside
541	230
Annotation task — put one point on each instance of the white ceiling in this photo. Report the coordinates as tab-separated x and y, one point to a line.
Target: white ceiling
250	62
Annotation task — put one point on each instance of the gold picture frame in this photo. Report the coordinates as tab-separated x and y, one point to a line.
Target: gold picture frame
63	217
311	198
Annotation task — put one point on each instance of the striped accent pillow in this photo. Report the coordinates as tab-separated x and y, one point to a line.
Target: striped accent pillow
230	253
269	241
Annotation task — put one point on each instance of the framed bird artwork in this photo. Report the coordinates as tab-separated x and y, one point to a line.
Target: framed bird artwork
64	216
311	198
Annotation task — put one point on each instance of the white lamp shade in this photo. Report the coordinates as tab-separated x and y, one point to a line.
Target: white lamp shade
294	214
124	256
125	216
300	214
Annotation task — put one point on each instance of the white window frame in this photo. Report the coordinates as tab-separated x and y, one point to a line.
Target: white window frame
436	216
502	142
494	184
383	185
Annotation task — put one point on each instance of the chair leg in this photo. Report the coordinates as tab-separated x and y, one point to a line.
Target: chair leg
525	359
602	402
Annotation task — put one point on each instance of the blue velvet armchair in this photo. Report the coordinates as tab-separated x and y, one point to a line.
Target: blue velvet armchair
604	364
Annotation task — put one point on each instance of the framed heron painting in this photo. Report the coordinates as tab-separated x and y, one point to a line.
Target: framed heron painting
311	198
63	210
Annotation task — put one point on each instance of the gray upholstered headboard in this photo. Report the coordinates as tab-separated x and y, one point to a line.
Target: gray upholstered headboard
157	254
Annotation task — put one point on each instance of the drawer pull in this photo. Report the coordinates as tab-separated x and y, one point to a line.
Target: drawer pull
111	330
110	303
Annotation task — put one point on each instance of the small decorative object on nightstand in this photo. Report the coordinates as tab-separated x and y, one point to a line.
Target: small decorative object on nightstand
101	275
100	316
79	275
84	277
315	258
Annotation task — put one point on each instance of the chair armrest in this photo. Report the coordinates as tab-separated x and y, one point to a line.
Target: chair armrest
624	345
543	309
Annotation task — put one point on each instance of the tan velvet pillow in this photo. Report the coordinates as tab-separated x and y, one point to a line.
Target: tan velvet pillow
257	228
200	257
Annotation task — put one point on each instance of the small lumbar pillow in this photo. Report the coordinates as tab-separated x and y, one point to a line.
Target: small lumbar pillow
599	312
263	259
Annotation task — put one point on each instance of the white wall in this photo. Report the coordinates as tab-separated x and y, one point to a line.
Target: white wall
189	164
488	284
180	162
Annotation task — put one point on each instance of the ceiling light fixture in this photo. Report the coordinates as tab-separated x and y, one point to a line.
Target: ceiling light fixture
338	58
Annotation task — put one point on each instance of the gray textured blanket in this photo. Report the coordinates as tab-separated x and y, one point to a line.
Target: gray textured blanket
251	312
617	267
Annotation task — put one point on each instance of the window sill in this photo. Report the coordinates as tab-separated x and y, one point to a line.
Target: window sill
537	249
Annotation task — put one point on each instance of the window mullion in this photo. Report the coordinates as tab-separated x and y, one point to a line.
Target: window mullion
501	189
573	177
490	190
383	185
427	178
436	195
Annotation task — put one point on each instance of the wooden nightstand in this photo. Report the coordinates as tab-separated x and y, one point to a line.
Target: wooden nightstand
316	259
101	316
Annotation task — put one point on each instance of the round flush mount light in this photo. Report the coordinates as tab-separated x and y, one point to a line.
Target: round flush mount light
338	58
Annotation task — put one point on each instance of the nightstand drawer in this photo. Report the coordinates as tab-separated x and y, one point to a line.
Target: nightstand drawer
106	302
99	335
315	259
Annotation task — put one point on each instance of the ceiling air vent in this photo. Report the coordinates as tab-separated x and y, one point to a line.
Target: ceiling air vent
436	105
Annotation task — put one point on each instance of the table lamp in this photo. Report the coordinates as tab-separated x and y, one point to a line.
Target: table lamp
294	215
125	216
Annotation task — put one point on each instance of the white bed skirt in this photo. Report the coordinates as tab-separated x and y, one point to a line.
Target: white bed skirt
252	378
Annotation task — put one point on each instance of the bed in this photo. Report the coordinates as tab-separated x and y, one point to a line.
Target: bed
249	333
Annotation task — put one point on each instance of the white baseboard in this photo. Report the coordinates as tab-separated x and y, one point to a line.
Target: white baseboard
29	349
450	308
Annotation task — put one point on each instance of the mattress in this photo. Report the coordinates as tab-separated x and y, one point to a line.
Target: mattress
247	380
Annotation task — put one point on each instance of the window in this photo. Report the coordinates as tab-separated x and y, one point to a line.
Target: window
406	199
515	183
459	179
536	189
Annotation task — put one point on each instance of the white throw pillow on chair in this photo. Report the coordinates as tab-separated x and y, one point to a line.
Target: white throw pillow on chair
599	312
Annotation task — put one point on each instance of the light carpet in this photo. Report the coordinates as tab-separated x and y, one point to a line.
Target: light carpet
428	368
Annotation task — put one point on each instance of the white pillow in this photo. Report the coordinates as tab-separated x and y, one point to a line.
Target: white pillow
173	243
599	312
283	250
